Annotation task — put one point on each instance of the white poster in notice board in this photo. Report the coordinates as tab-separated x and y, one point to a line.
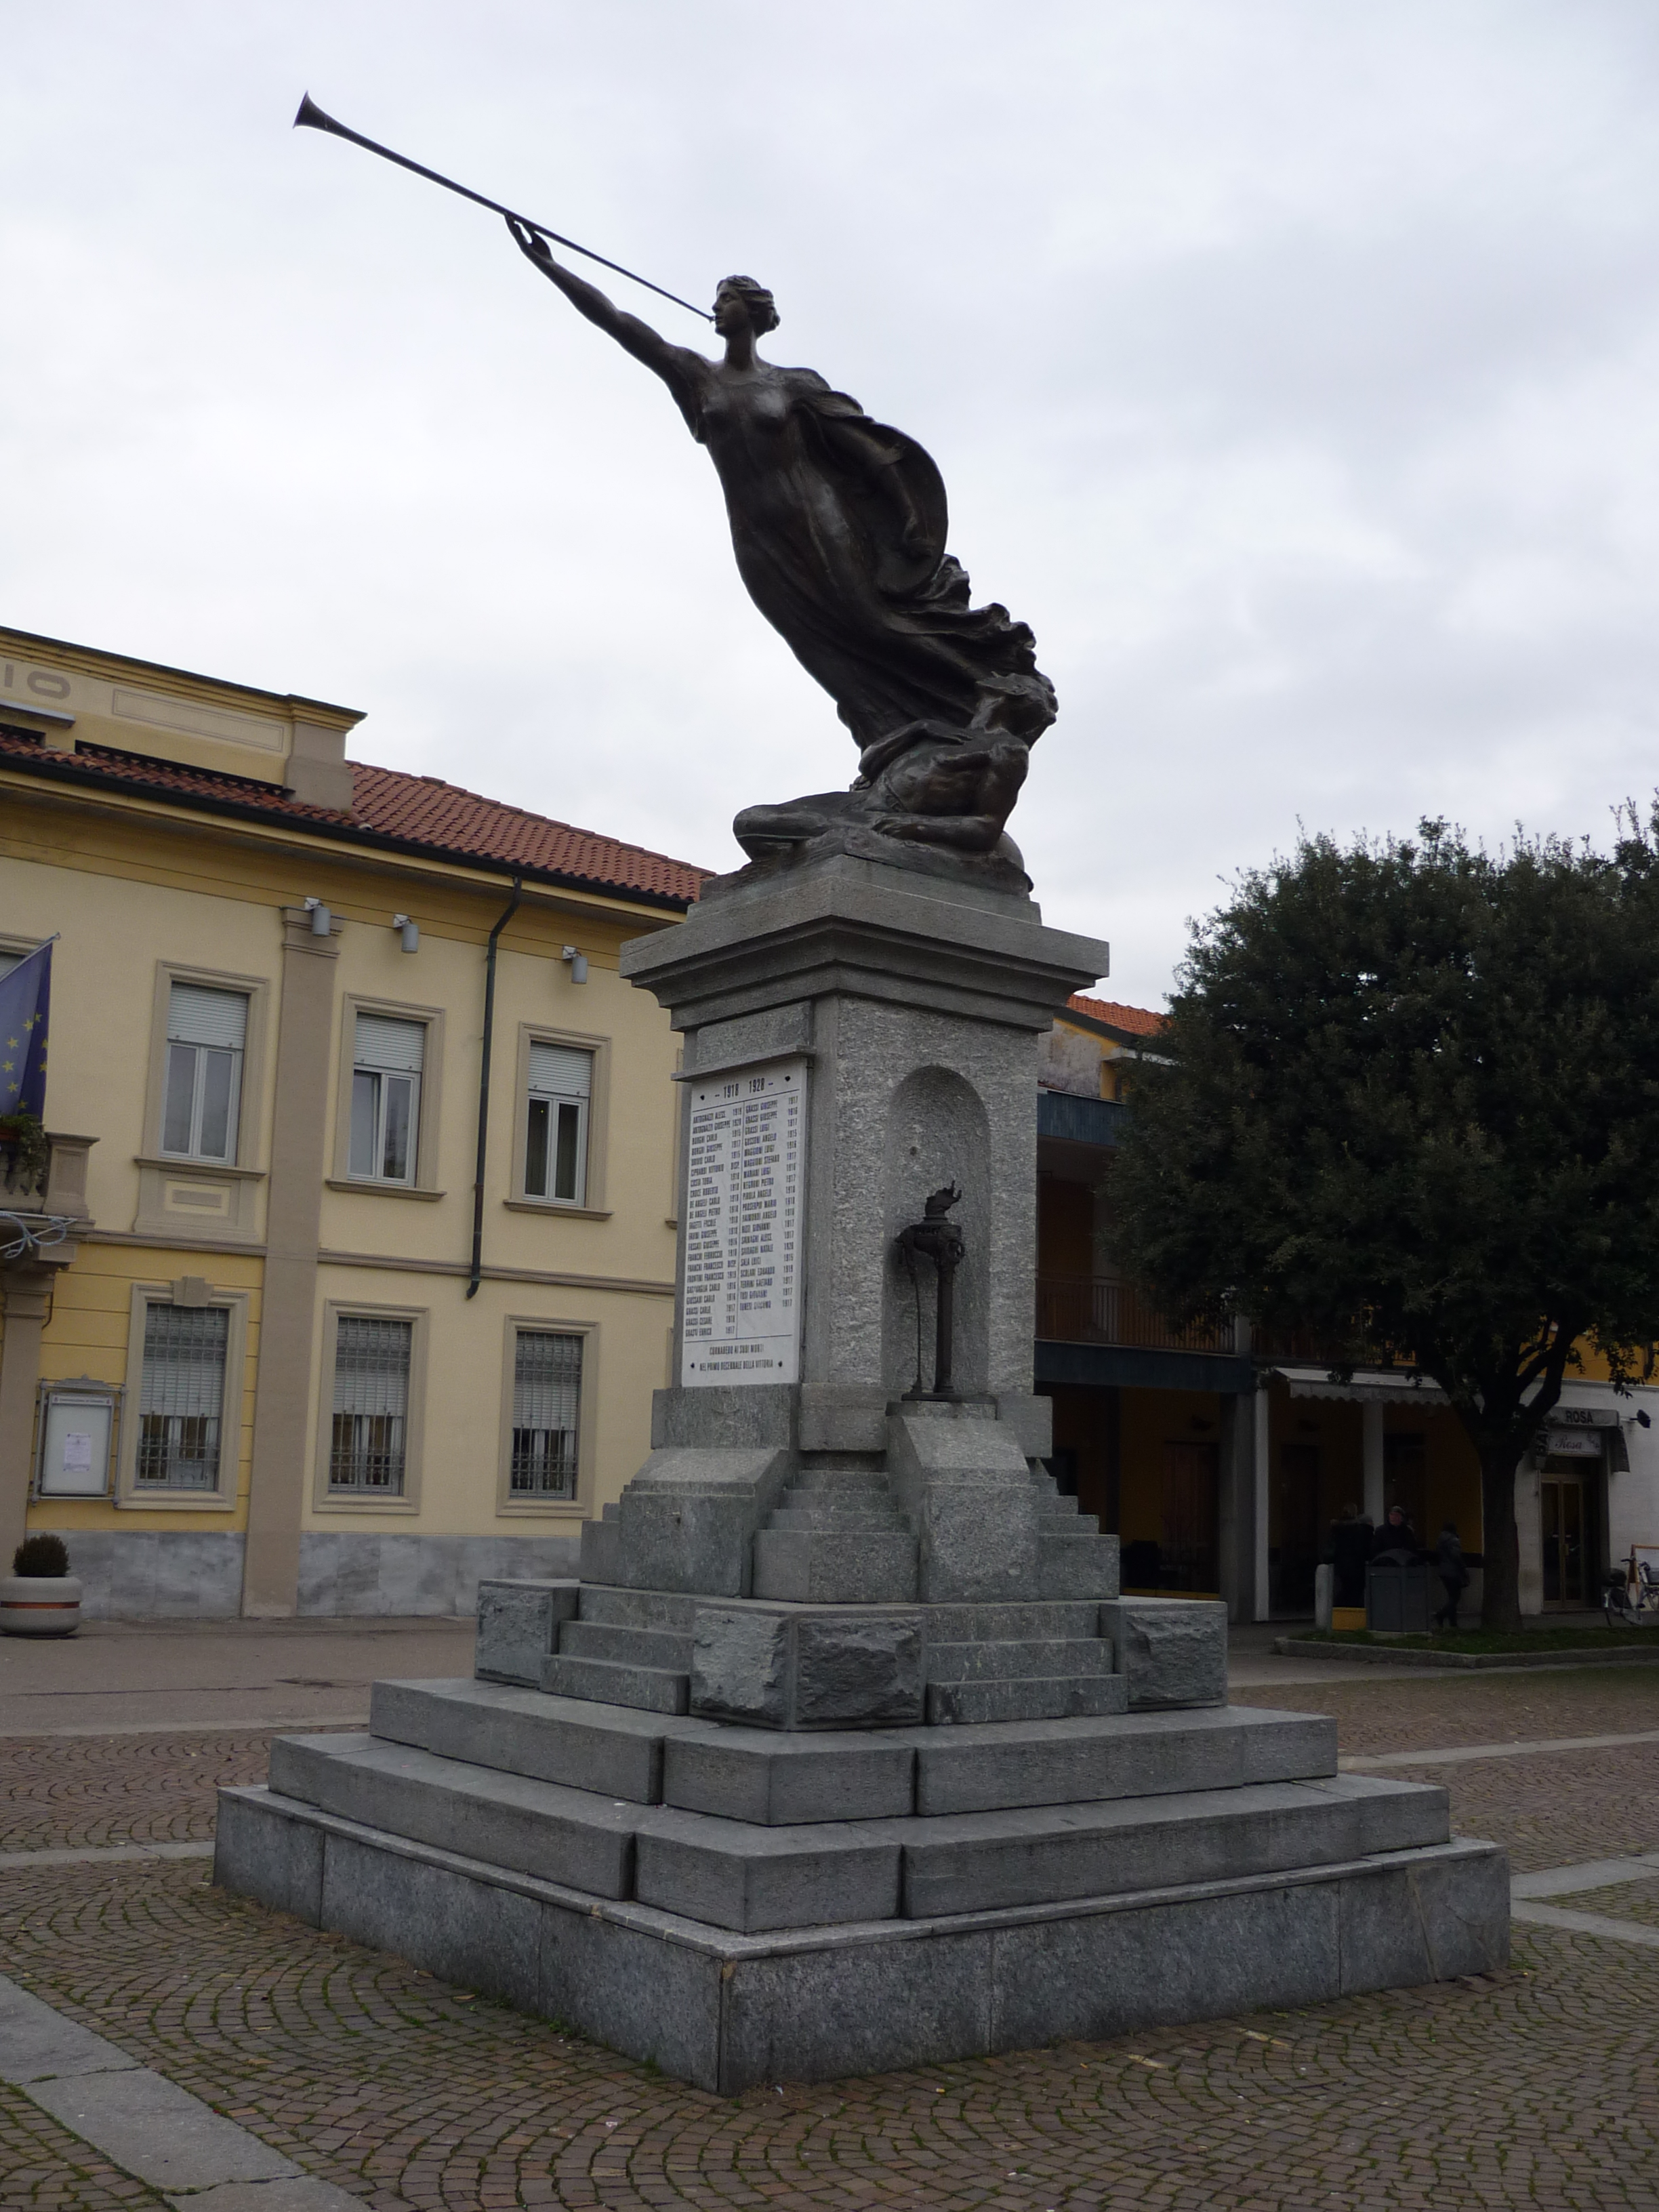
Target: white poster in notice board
746	1168
76	1429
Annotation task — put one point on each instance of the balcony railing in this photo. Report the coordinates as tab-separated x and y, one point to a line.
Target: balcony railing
1082	1309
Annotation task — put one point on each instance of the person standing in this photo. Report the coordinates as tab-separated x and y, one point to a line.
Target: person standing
1453	1573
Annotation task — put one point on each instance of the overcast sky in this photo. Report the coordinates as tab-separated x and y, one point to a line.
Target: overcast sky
1293	367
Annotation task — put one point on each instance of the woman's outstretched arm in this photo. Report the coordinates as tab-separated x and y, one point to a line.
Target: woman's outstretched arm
670	362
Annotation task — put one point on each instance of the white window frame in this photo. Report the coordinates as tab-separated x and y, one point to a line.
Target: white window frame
593	1114
422	1166
193	1148
247	1105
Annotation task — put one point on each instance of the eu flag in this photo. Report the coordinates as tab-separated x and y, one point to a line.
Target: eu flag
25	1006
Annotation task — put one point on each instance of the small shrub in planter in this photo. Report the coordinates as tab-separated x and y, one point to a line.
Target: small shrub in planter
40	1596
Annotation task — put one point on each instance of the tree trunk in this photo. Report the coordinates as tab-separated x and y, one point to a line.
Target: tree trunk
1501	1605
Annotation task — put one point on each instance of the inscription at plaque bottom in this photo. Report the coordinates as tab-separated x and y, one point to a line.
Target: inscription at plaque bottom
740	1321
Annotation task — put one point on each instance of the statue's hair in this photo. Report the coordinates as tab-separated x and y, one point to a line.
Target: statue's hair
763	308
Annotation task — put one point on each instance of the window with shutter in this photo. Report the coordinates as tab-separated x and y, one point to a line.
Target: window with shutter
547	1393
387	1057
371	1404
207	1036
556	1133
181	1397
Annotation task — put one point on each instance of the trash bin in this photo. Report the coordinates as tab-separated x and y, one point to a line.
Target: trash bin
1397	1595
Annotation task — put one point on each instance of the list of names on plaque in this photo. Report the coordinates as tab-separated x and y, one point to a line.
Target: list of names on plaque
741	1317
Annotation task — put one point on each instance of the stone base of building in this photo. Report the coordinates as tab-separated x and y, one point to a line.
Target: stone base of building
727	2011
144	1573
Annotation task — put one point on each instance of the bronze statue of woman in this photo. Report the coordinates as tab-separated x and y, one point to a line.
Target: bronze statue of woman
838	524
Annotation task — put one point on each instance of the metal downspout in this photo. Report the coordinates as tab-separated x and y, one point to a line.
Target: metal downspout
483	1089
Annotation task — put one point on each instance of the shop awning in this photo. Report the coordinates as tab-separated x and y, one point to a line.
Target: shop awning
1368	1385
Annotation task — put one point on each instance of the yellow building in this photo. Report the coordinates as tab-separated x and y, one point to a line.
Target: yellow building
343	1310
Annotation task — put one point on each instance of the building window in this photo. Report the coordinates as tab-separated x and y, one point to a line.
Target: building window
556	1138
371	1405
547	1397
207	1033
181	1397
386	1097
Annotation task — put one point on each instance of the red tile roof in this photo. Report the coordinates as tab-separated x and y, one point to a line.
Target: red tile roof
1138	1021
412	814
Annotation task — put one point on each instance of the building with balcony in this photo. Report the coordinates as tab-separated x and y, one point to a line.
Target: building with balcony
298	1315
1223	1461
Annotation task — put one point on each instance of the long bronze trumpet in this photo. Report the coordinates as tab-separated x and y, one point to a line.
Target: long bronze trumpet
312	118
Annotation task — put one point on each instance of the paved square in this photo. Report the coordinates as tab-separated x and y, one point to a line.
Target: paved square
1537	2087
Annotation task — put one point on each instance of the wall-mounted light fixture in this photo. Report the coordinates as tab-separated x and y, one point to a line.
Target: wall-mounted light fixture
408	930
578	964
321	920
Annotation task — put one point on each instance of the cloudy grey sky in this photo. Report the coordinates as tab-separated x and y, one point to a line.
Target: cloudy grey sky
1291	364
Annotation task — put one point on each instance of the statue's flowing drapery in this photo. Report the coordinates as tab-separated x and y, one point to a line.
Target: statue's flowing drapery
838	526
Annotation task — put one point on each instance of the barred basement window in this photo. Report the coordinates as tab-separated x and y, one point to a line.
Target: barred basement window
547	1397
181	1397
371	1405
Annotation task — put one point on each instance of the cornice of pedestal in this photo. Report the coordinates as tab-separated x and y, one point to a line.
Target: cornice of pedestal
856	927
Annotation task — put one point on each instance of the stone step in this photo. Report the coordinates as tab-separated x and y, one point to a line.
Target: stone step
1016	1620
852	1477
776	1777
573	1836
836	1566
977	1862
972	1662
614	1682
876	1516
1025	1698
637	1647
1074	1562
638	1608
1062	1762
740	1874
615	1750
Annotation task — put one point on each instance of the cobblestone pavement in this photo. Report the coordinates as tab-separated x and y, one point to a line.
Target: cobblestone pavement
91	1790
1627	1900
46	2169
1402	1712
1537	2087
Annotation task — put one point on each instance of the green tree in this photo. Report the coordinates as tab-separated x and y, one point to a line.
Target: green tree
1408	1099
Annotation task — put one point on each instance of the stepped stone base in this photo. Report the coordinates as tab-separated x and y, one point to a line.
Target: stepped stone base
726	2010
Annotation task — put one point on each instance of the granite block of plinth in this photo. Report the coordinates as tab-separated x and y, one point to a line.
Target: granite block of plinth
1058	1697
1173	1650
518	1627
773	1666
731	1874
776	1780
728	2011
610	1682
978	1861
280	1862
508	1821
613	1749
1056	1762
827	1566
1073	1563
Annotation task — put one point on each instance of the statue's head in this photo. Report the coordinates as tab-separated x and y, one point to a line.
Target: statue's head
741	296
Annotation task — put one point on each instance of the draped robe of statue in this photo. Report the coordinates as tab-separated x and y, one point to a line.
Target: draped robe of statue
839	524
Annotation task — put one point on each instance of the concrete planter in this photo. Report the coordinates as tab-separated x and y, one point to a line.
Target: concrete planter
40	1605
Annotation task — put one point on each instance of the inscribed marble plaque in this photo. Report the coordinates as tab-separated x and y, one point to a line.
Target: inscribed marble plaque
740	1322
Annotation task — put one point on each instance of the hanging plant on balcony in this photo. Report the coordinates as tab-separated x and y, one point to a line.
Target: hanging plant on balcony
24	1151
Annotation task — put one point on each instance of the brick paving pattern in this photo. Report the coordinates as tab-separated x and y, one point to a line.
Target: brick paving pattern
86	1791
1537	2087
1626	1900
45	2169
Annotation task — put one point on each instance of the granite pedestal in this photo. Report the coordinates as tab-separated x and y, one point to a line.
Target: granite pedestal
843	1750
